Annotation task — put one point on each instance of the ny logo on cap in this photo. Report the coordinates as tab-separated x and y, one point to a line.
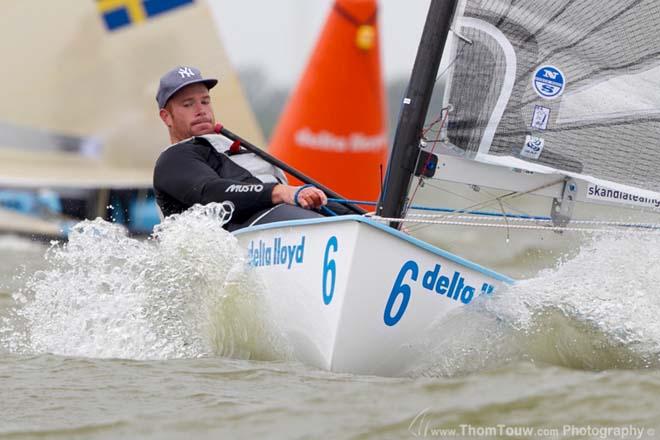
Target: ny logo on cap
186	72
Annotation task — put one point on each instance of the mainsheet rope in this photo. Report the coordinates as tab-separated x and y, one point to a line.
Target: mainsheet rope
463	217
642	227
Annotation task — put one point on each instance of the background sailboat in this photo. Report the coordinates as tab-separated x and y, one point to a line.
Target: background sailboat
78	108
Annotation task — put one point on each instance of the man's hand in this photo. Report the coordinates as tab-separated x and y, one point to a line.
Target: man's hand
308	198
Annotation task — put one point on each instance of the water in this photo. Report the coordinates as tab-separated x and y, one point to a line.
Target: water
111	337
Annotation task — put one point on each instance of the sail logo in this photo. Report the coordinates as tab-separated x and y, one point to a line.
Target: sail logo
186	72
533	147
550	74
540	117
118	14
597	192
549	82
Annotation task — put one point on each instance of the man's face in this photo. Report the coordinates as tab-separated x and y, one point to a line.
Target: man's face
189	113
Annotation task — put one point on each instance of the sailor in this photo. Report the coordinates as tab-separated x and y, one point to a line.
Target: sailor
201	167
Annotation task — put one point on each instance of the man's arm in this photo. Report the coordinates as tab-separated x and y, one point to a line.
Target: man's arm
184	175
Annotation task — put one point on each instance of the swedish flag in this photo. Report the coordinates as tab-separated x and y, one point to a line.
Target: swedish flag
120	13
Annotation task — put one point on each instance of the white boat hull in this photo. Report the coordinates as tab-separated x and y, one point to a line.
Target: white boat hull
354	294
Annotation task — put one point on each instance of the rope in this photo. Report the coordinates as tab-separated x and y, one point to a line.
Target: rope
458	54
448	210
542	220
443	121
506	221
519	213
509	226
510	195
476	218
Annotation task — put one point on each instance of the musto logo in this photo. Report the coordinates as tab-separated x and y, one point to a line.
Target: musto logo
244	188
455	288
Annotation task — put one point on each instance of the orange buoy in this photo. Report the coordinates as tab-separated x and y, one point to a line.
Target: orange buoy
333	128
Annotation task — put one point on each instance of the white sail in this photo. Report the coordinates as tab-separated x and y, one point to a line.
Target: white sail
542	91
66	73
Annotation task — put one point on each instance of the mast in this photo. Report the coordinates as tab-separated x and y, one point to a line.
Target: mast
415	106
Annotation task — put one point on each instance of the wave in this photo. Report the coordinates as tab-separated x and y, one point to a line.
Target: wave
188	292
596	311
185	292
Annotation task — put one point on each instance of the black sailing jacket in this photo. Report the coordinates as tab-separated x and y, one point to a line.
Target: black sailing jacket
193	172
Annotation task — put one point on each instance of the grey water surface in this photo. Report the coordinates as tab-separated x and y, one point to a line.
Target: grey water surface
109	337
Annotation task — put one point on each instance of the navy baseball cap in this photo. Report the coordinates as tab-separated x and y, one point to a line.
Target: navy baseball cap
178	78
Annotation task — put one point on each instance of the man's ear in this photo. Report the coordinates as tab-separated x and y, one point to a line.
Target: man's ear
166	116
